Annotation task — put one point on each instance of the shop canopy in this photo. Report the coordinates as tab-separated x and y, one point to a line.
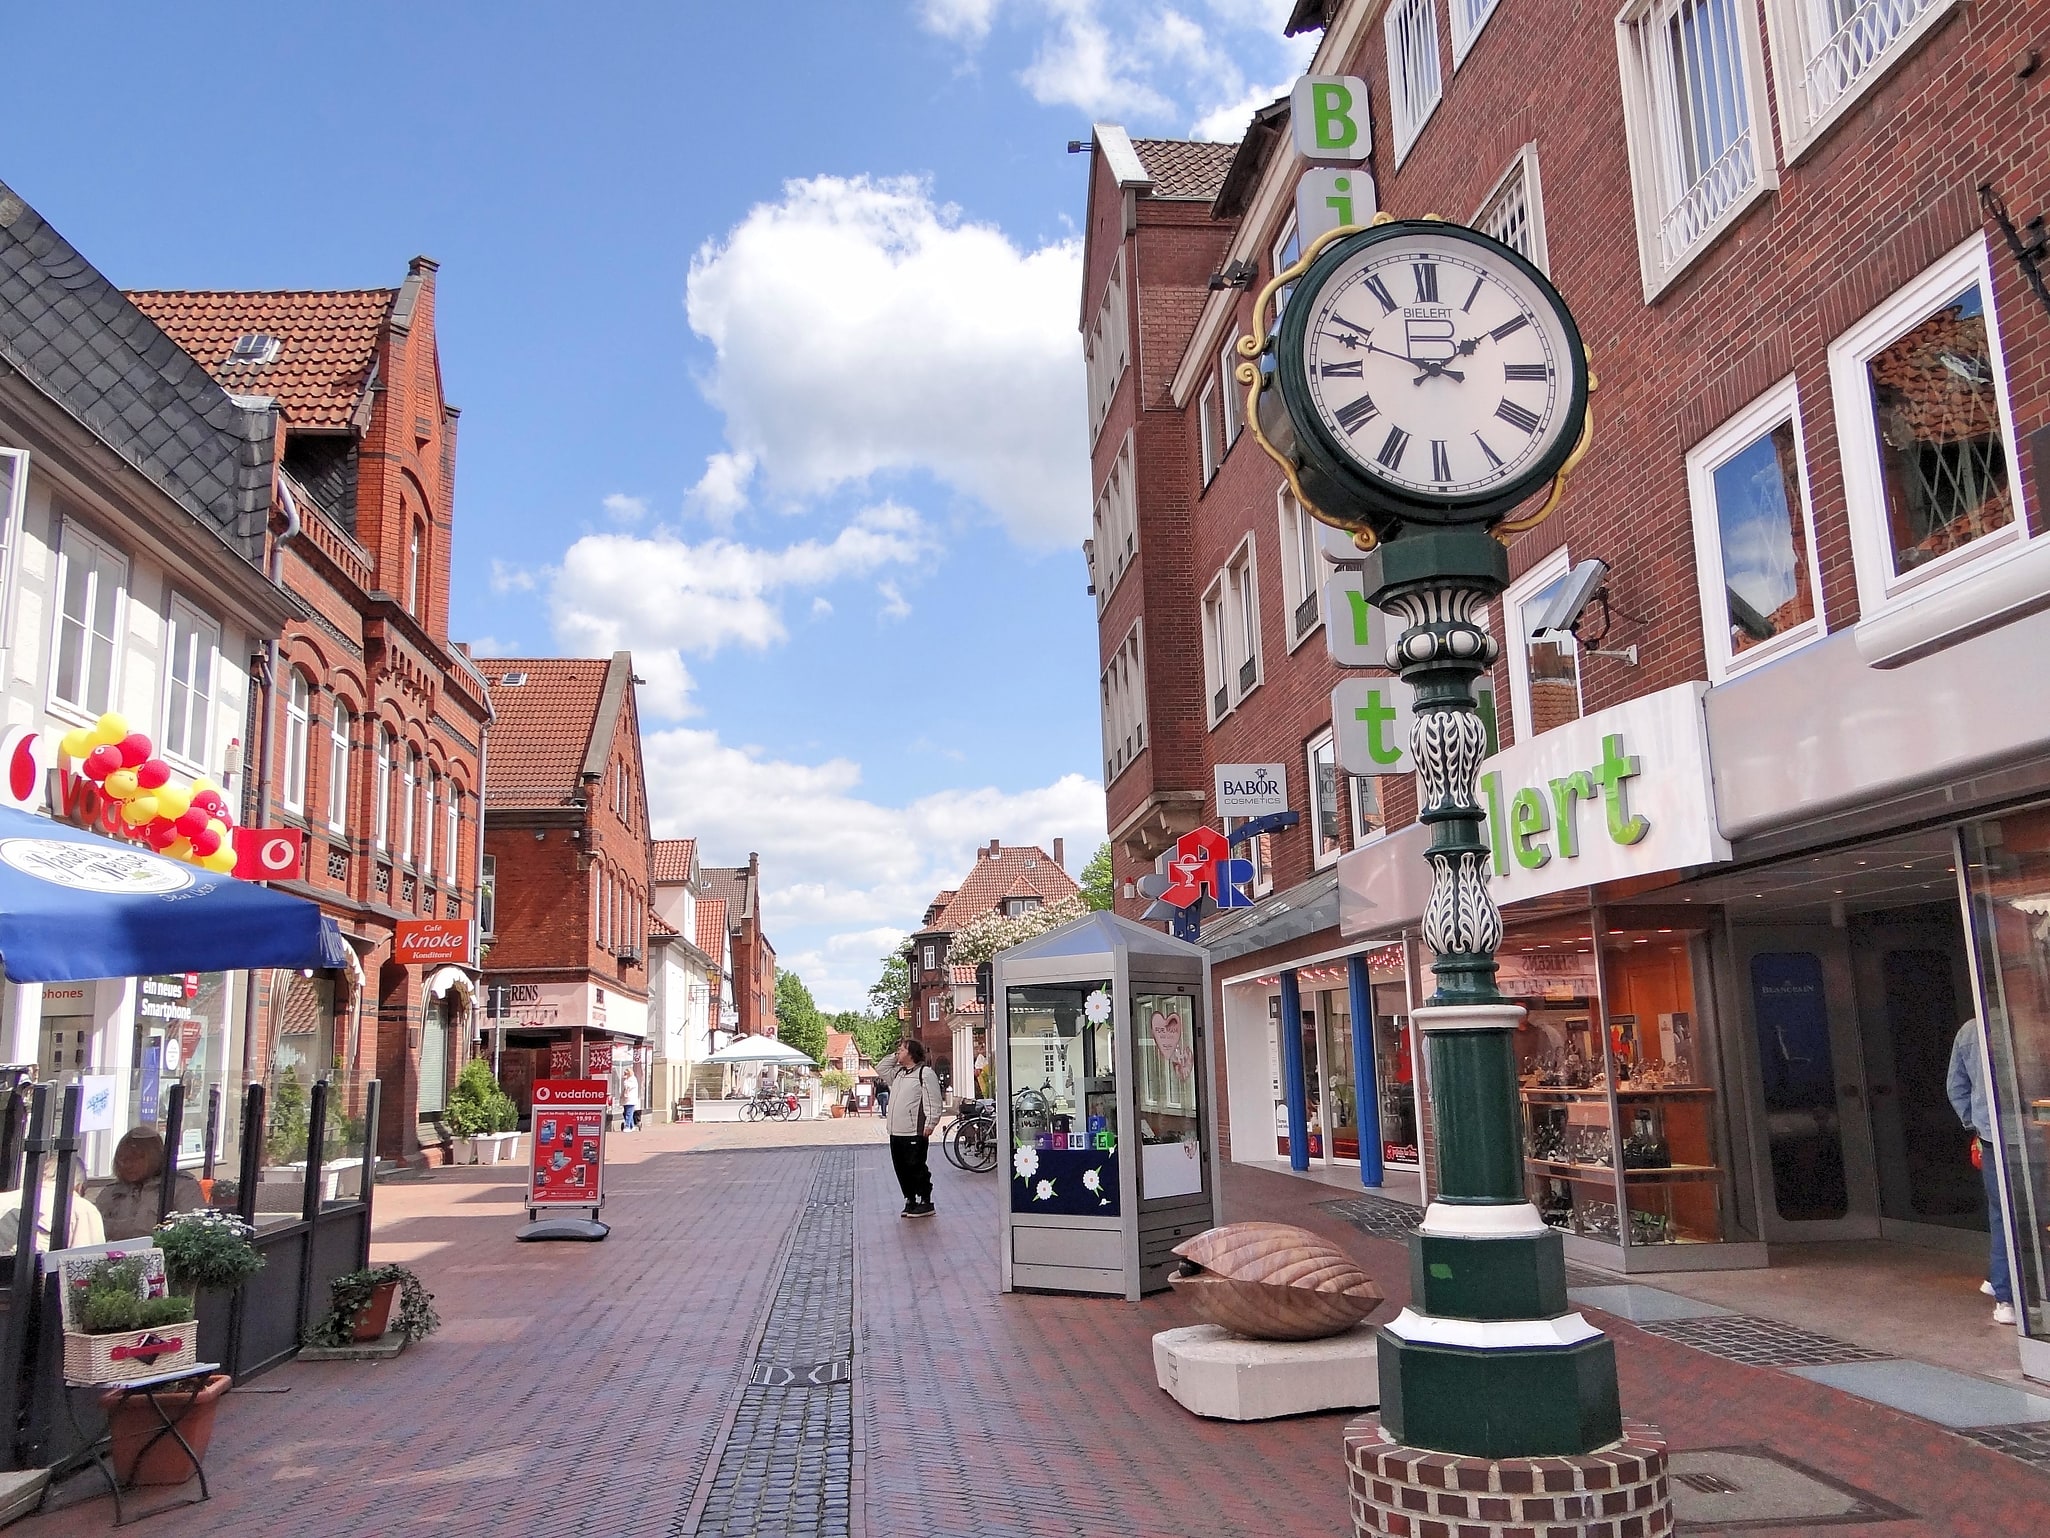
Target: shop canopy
77	905
757	1049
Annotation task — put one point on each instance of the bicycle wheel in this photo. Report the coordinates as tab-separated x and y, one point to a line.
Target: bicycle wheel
753	1111
979	1145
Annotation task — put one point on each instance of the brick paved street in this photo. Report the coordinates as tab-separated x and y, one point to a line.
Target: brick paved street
605	1389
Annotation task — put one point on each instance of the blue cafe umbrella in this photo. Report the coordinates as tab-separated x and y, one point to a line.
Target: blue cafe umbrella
76	905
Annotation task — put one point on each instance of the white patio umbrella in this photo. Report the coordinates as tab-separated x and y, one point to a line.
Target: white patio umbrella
758	1049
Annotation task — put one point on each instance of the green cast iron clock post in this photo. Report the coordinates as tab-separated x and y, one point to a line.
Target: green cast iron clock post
1423	383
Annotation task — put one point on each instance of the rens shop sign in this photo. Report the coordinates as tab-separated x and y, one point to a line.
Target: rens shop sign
430	942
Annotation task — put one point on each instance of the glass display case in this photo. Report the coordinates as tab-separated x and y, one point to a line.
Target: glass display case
1618	1127
1064	1100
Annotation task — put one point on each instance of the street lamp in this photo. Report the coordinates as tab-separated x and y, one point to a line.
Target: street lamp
1423	382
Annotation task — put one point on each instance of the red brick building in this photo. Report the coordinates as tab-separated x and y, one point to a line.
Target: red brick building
739	887
572	864
945	1011
368	732
1818	484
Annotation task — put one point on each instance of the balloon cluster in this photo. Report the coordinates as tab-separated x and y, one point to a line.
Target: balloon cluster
191	822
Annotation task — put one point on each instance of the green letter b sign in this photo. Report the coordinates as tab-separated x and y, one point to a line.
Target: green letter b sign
1329	120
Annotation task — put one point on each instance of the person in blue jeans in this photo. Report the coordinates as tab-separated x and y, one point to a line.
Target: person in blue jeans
1967	1087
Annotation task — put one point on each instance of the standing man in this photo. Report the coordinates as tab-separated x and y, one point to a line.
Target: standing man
629	1099
1967	1087
914	1109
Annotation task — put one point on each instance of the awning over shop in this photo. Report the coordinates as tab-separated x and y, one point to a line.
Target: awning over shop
1304	909
757	1049
75	905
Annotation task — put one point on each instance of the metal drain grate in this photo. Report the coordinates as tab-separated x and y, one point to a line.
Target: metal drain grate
817	1375
1759	1342
1730	1489
2031	1443
1376	1215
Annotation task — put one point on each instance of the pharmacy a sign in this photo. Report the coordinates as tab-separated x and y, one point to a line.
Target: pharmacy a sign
1251	790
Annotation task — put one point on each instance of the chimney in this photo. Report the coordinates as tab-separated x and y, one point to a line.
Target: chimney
1060	853
996	847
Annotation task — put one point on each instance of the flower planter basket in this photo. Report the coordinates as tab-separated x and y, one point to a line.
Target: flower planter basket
129	1353
375	1317
132	1424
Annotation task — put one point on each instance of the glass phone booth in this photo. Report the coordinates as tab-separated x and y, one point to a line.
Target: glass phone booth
1105	1094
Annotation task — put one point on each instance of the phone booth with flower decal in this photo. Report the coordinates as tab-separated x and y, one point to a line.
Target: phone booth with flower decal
1106	1102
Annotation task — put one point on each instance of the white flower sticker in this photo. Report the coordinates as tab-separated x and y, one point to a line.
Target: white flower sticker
1097	1006
1044	1192
1093	1179
1026	1163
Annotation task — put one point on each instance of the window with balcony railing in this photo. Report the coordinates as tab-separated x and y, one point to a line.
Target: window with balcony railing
1827	52
1700	149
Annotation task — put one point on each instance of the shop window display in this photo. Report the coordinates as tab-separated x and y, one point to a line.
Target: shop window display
1064	1104
2007	866
1170	1127
1619	1140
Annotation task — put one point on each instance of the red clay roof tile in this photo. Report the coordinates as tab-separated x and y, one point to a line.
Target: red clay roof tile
543	727
673	857
327	343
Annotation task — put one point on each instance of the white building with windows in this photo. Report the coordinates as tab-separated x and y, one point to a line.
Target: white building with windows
685	981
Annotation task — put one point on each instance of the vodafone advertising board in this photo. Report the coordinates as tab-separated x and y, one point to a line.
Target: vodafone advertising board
568	1168
430	942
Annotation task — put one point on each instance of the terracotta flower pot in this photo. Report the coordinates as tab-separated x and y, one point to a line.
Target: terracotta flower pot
376	1315
132	1423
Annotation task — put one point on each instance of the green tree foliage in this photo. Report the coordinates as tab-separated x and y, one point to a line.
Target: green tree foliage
1099	888
892	991
798	1021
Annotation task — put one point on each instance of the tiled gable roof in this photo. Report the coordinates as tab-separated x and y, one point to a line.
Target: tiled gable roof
542	727
712	928
1015	871
76	337
837	1043
729	883
1190	169
673	857
660	928
327	343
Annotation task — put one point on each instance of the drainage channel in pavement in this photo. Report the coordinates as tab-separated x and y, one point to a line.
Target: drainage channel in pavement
785	1469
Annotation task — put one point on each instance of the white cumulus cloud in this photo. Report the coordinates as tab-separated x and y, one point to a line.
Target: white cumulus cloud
510	579
860	327
721	491
621	508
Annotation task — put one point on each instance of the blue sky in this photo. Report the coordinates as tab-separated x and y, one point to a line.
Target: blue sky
763	321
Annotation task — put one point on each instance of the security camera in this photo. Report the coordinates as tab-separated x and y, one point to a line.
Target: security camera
1573	597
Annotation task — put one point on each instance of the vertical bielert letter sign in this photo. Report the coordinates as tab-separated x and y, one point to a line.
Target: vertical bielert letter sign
1371	718
1333	197
1328	117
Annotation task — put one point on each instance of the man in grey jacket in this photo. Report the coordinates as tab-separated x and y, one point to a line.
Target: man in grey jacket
1967	1088
914	1091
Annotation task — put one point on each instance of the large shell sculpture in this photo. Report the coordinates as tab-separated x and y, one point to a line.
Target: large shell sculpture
1273	1281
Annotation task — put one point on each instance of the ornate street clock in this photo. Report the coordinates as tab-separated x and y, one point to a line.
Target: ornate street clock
1428	375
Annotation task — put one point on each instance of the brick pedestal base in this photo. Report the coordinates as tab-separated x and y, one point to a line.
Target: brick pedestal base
1406	1492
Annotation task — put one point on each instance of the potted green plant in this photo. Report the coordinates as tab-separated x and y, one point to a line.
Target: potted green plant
209	1254
121	1321
480	1114
361	1308
838	1081
505	1126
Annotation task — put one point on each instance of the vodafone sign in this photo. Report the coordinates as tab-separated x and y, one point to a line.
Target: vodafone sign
429	942
268	854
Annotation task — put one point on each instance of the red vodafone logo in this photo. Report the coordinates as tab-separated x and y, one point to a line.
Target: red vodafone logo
268	854
21	768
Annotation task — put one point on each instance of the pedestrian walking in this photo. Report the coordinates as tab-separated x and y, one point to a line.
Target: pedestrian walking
911	1117
1966	1086
882	1091
629	1101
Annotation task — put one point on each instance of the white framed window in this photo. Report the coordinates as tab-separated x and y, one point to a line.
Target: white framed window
1468	17
931	958
1694	111
92	579
452	827
1259	851
1754	535
338	768
409	789
1209	430
1106	346
427	823
193	641
1415	83
1115	526
298	731
1544	671
413	569
1124	705
13	509
1828	53
932	1007
1369	821
380	814
1231	396
1327	838
1514	212
1286	251
487	898
1231	633
1922	415
1302	568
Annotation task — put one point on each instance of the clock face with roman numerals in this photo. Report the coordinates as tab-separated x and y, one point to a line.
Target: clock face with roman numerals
1442	369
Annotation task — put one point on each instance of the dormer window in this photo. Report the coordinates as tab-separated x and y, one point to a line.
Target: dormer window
255	348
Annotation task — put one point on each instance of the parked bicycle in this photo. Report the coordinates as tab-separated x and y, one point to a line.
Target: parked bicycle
770	1105
971	1143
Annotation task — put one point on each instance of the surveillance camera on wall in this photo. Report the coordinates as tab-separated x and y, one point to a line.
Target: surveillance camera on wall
1574	595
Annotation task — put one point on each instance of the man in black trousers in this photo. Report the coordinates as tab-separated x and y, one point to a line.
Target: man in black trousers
914	1110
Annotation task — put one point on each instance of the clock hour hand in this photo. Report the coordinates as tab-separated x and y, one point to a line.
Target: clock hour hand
1433	370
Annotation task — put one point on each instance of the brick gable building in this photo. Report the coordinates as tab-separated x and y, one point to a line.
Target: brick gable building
739	888
944	1010
572	863
368	730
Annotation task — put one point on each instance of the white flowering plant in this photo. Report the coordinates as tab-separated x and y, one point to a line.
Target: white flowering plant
983	936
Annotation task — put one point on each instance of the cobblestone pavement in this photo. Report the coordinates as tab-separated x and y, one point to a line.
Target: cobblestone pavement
635	1387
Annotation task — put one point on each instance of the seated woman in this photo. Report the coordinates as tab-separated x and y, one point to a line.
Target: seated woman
83	1228
129	1203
